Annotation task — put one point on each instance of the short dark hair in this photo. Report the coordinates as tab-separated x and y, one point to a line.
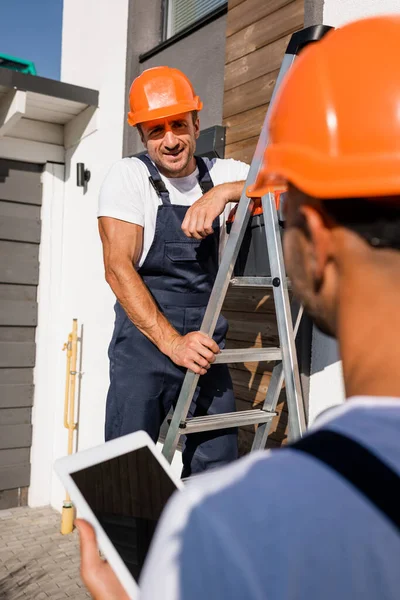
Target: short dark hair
378	222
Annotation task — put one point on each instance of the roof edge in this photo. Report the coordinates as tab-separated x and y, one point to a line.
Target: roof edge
48	87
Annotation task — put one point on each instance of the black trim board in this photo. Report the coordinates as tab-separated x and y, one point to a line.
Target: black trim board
48	87
211	142
206	20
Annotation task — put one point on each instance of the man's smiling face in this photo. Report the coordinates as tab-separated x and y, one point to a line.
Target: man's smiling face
171	143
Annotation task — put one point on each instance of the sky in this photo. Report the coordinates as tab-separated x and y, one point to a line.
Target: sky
31	29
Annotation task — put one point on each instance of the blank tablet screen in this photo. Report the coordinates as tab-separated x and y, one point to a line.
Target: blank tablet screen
127	495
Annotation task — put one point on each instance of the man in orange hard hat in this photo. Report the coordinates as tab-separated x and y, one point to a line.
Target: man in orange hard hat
327	522
161	239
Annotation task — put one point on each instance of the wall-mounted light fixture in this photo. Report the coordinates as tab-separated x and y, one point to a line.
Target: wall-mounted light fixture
82	175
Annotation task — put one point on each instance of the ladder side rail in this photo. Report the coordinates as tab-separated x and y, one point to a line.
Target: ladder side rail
242	217
224	275
274	388
180	413
271	399
297	422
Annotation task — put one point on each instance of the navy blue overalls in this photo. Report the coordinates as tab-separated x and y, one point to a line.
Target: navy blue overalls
145	383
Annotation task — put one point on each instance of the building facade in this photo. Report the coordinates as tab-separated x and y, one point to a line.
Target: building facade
51	263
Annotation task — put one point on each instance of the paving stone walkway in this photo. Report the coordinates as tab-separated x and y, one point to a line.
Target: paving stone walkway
36	561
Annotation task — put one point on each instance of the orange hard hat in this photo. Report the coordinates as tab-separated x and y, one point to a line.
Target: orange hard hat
335	125
161	92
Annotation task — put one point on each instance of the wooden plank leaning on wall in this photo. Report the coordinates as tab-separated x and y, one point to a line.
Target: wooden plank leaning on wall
258	32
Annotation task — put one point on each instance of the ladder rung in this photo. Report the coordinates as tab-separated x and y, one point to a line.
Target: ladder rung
263	282
225	420
248	355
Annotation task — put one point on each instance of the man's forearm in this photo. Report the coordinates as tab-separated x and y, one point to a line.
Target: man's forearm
233	190
139	305
200	216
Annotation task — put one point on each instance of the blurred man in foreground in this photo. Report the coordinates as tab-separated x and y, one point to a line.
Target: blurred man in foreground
319	519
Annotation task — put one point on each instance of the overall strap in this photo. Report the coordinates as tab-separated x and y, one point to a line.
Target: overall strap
361	468
205	181
155	179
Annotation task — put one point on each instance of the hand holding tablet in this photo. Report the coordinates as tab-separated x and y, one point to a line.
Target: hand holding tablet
121	489
96	573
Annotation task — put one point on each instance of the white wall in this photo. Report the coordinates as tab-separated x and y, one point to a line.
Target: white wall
326	383
93	56
338	12
49	336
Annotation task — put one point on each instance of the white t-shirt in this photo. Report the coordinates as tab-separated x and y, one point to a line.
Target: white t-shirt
282	525
127	194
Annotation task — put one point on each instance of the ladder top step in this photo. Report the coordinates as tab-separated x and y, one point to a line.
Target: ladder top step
262	282
248	355
225	420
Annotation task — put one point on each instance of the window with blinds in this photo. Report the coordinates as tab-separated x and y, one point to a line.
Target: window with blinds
182	13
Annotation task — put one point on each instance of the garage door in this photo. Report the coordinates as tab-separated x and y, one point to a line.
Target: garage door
20	200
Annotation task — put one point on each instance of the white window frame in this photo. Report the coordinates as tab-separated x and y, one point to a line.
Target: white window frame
169	20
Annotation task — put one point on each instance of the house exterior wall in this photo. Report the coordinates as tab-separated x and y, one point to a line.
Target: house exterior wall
73	285
257	35
200	56
20	206
72	282
339	12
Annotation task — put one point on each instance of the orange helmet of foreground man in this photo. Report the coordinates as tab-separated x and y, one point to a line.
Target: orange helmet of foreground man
335	124
161	92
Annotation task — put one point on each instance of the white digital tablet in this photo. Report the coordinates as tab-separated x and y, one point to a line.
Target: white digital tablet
121	488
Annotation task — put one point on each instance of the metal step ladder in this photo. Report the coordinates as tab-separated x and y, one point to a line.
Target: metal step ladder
287	366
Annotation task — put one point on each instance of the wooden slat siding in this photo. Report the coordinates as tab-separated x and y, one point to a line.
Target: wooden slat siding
249	95
15	476
257	299
17	354
15	312
246	439
252	388
277	436
244	126
13	498
15	436
17	292
235	2
16	376
20	206
15	395
257	36
17	334
16	416
20	230
252	323
20	210
19	263
253	65
260	33
14	456
249	12
242	150
21	186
